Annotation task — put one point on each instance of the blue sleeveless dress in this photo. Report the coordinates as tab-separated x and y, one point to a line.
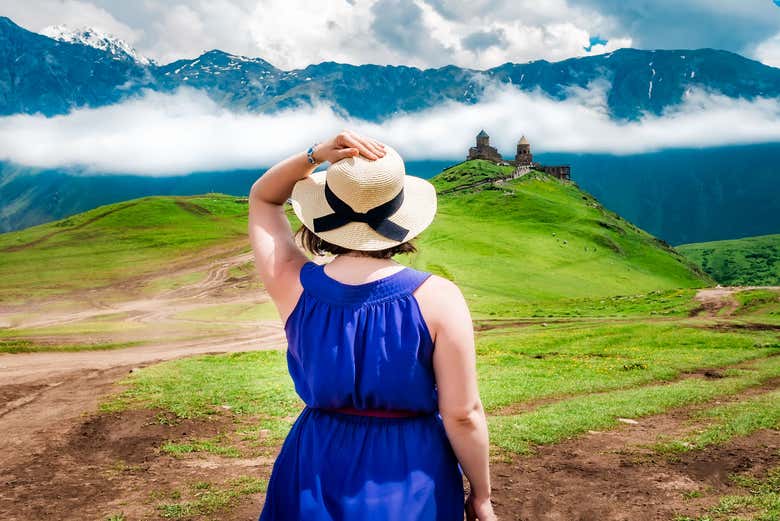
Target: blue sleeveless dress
364	346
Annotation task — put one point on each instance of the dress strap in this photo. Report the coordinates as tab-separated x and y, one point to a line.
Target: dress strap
306	275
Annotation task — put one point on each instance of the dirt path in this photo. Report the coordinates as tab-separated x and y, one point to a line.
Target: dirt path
44	394
102	464
719	301
159	307
614	475
162	327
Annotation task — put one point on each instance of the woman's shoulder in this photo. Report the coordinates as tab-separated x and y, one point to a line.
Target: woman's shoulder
441	301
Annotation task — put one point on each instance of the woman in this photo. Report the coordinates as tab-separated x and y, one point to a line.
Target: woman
390	422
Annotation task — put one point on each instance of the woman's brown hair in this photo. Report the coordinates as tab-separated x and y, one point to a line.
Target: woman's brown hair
318	246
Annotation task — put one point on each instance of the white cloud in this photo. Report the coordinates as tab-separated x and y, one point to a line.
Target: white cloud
162	134
35	15
768	51
295	33
531	30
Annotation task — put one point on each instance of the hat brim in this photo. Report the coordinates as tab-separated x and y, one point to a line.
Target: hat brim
415	214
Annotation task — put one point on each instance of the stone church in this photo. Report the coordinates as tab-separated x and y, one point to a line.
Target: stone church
524	160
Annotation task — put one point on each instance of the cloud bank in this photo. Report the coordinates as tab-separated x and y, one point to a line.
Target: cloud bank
295	33
172	134
426	33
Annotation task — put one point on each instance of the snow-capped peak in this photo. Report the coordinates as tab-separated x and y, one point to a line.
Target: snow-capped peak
120	49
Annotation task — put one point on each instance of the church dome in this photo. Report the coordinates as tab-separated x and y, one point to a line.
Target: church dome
523	141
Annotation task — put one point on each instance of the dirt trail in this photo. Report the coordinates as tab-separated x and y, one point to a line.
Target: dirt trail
720	301
615	475
161	306
607	475
46	368
43	394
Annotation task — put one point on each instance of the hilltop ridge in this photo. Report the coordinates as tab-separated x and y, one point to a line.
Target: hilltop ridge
743	262
536	238
506	242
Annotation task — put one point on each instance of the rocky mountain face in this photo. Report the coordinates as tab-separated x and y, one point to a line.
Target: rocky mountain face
70	69
119	49
39	74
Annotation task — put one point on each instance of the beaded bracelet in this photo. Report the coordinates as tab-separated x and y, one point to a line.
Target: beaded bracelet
310	156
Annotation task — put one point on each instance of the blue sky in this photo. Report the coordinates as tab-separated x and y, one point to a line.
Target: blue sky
424	33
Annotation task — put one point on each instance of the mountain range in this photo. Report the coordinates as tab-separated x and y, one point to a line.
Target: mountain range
681	196
84	68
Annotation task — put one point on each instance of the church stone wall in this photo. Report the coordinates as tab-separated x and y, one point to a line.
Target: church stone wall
523	159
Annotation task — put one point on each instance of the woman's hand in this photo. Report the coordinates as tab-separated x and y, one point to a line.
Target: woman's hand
479	509
348	144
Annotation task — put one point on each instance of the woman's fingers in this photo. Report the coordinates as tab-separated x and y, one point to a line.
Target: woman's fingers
353	141
375	149
370	148
378	144
370	145
346	152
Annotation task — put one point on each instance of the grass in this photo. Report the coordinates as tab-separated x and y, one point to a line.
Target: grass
626	363
760	304
724	422
238	312
515	250
97	325
469	172
28	346
216	446
760	501
538	246
751	261
608	307
661	303
208	498
170	282
114	242
521	365
253	383
537	240
558	421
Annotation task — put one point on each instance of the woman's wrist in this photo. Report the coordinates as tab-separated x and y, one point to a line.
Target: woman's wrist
311	154
480	491
480	495
276	184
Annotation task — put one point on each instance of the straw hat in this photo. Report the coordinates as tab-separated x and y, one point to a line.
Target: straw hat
362	204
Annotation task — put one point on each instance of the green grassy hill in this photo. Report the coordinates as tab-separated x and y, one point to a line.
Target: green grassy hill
536	239
530	241
739	262
116	243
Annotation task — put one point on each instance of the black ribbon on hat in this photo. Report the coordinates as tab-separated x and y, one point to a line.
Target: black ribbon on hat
376	217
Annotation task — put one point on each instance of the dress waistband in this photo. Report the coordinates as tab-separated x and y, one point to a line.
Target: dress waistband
379	413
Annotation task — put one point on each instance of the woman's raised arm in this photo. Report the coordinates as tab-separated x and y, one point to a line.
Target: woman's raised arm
277	258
